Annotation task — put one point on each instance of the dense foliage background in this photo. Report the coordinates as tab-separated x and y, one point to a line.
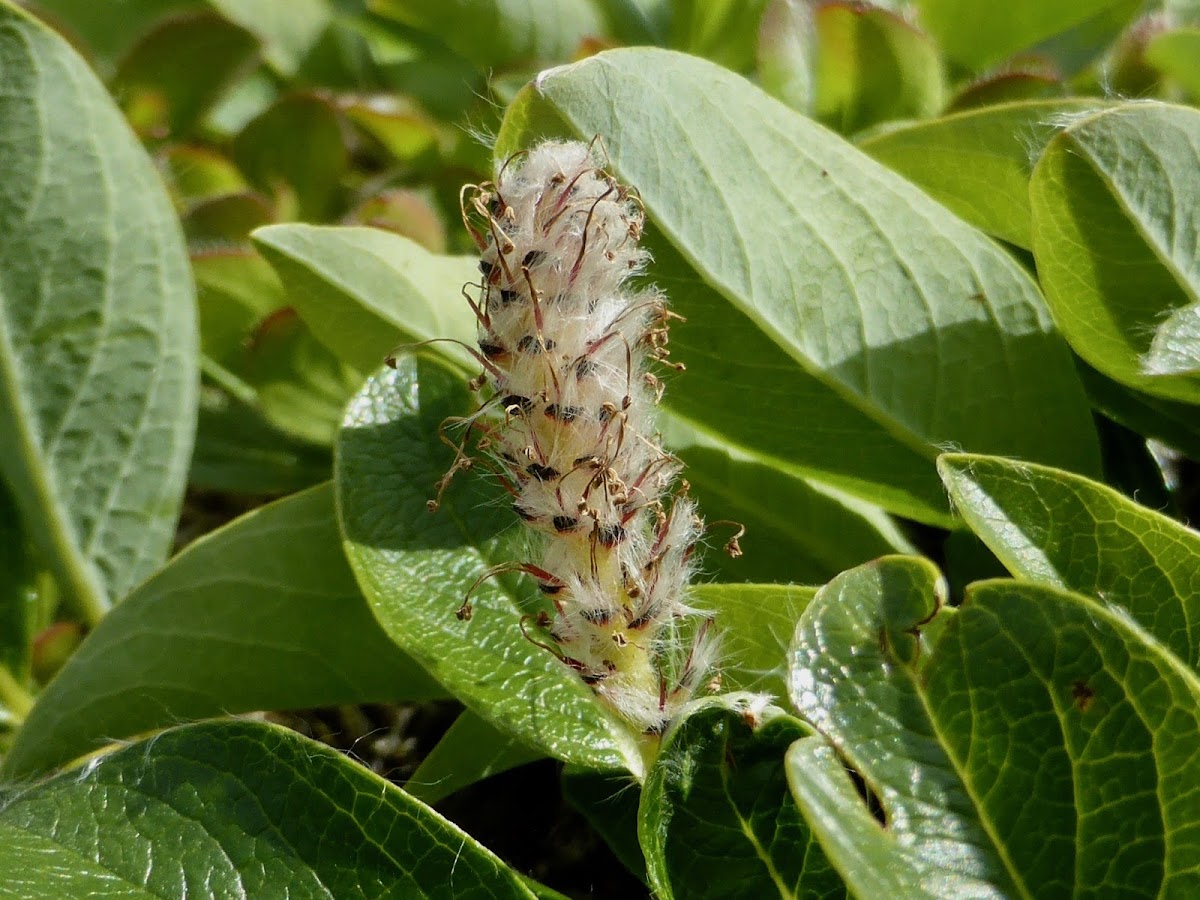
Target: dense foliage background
940	268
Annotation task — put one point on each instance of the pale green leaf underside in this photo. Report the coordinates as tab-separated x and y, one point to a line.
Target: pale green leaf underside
97	325
830	304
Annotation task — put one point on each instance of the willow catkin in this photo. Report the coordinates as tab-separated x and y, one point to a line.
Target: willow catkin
567	345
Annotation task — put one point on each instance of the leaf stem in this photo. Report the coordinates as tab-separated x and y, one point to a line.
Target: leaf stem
17	700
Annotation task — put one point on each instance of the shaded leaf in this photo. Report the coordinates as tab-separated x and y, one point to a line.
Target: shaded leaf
233	808
470	751
262	614
813	279
288	31
1114	232
785	53
296	152
97	326
178	71
716	812
725	31
872	66
978	34
1176	54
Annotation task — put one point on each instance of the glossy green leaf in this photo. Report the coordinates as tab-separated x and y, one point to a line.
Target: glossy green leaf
1016	755
978	162
296	152
1115	235
1176	54
716	811
502	33
470	751
872	66
797	530
1069	532
97	325
755	623
288	31
830	303
262	614
236	809
237	450
179	70
979	33
417	567
725	31
363	291
1175	349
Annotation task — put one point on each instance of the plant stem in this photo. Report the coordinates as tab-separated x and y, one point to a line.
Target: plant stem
18	700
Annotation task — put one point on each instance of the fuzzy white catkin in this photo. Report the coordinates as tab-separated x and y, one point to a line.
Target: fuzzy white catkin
567	344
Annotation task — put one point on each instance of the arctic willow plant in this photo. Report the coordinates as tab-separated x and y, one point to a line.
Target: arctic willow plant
566	343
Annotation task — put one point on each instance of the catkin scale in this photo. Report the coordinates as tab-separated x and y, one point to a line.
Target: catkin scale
567	343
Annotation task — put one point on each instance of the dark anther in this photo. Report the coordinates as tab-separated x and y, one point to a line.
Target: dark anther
523	512
533	257
542	473
521	404
565	523
529	344
611	535
606	413
491	350
486	268
585	368
549	588
597	616
507	296
563	413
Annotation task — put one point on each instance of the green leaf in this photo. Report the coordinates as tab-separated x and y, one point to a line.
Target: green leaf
18	597
873	66
235	290
755	623
97	326
223	223
1115	237
813	279
1176	54
288	31
609	801
262	614
195	173
296	151
502	33
236	809
1175	424
1015	83
176	73
237	450
716	813
417	568
724	31
978	162
363	291
786	68
302	386
470	751
103	35
979	34
1072	533
796	529
1015	758
1175	349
